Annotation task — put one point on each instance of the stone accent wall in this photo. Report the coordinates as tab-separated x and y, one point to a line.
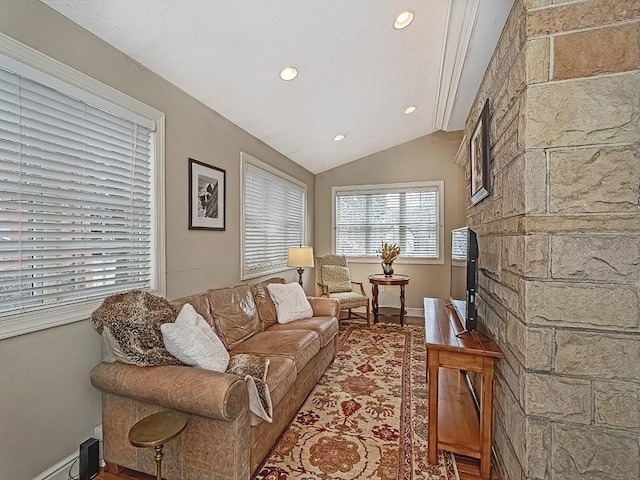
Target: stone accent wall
559	239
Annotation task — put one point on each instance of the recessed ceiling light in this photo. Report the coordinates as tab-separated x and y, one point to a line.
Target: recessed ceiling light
410	109
403	20
337	138
289	73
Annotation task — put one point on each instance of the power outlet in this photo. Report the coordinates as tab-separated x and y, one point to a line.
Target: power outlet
97	432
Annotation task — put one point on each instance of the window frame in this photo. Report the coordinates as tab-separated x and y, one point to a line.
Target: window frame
247	158
43	69
438	185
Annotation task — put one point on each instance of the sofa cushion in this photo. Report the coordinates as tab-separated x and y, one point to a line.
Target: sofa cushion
299	345
200	303
290	301
192	340
336	278
264	304
234	314
326	327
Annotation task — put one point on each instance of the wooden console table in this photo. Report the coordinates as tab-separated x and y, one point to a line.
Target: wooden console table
453	421
380	279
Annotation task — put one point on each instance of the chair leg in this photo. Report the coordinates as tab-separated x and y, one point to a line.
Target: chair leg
368	315
349	316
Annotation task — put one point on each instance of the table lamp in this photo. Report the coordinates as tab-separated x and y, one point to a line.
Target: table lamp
300	257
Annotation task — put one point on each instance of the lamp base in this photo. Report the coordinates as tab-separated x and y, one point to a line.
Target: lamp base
300	272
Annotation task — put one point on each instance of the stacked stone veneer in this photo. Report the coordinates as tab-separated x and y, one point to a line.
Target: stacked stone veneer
560	239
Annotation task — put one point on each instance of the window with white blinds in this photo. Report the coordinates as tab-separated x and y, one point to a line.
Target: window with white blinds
76	200
408	215
273	217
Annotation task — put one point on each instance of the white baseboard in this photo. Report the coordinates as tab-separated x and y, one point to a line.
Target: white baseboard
60	471
411	312
415	312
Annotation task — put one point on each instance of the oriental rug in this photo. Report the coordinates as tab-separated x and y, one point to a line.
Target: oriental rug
367	416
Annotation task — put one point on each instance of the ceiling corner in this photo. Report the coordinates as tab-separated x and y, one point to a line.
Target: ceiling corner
461	22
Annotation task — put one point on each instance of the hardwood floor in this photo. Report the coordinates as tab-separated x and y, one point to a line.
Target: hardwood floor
468	468
124	475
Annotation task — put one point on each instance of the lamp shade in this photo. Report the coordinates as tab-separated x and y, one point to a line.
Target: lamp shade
300	257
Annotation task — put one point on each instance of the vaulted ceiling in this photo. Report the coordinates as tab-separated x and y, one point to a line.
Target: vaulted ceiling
357	73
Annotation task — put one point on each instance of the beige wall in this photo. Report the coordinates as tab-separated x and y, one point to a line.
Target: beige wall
427	158
47	406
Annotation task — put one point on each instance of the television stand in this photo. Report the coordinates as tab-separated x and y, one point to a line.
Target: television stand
462	333
474	332
453	420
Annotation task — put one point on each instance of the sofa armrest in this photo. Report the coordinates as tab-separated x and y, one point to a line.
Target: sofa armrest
323	306
218	395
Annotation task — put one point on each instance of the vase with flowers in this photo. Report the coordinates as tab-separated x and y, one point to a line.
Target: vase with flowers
389	252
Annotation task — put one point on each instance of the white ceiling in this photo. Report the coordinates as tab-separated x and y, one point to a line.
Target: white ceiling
357	73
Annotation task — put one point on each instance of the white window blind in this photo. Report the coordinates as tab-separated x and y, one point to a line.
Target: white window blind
75	202
273	216
407	216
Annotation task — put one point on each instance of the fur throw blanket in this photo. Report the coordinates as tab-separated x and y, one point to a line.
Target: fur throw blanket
133	320
254	371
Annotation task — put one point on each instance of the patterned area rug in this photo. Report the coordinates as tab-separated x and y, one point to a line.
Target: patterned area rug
367	416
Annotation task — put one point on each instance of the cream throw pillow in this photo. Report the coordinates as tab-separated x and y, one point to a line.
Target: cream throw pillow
192	340
336	278
290	301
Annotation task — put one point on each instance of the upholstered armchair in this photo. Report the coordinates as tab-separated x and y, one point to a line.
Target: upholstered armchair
334	280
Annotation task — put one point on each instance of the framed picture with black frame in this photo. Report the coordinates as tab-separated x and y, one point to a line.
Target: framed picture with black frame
479	157
207	196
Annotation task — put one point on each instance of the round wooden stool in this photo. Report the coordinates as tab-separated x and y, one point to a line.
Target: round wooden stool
156	430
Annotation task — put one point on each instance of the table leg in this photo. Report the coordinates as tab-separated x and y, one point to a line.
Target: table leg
433	361
158	458
401	305
486	415
374	291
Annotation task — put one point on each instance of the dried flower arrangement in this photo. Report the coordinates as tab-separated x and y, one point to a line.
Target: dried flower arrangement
389	252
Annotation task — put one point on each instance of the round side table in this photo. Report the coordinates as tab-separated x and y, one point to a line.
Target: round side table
395	280
156	430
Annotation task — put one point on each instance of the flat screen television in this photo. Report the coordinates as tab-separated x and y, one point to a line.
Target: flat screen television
464	276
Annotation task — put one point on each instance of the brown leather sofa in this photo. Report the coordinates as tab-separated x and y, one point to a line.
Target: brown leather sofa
223	439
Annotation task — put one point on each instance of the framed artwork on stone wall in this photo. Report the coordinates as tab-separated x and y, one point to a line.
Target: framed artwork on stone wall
207	188
479	157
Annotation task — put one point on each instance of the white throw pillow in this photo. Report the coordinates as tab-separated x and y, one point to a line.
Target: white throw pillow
192	340
290	301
